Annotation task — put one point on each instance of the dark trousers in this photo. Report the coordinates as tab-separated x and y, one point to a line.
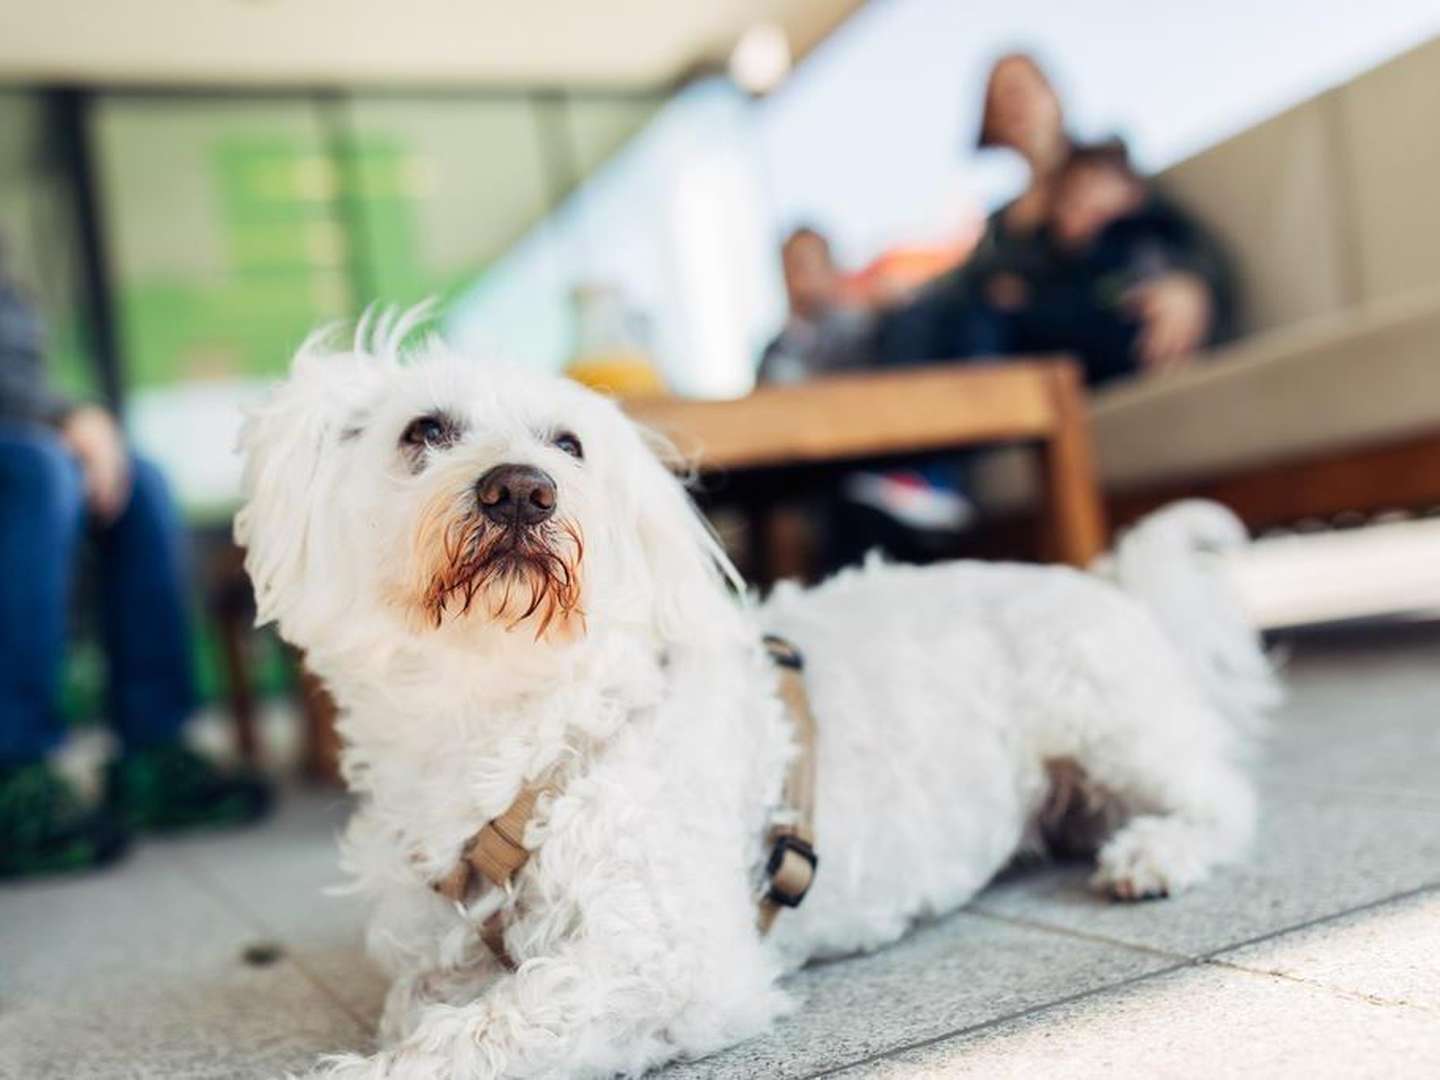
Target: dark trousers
141	593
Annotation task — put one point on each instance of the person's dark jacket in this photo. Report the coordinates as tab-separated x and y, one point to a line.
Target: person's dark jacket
1157	238
25	392
940	322
937	323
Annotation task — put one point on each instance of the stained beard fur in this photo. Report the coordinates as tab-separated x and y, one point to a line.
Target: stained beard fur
512	575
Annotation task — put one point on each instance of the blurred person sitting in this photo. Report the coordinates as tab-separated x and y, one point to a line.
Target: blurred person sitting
65	472
1118	249
1021	113
965	314
823	333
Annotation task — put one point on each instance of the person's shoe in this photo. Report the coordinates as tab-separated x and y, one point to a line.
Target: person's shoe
45	829
169	787
912	500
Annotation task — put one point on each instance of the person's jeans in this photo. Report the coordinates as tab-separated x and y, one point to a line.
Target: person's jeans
141	593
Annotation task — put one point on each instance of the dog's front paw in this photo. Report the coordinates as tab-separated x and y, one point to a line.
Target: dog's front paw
1150	858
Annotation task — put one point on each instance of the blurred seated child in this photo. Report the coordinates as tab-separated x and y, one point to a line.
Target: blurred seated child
823	333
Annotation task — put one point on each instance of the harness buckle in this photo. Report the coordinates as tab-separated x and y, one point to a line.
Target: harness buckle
790	870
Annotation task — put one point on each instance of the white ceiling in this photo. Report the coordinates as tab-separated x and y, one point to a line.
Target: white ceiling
622	43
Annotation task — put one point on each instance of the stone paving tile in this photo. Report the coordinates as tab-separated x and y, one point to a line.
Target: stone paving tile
1364	721
141	972
1200	1023
1388	955
282	878
1316	855
958	972
1397	759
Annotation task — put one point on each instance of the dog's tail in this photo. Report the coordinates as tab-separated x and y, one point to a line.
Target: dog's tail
1173	561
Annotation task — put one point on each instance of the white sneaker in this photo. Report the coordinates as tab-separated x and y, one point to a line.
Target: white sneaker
911	500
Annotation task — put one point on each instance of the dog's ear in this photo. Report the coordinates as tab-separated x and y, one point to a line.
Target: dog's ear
292	445
694	591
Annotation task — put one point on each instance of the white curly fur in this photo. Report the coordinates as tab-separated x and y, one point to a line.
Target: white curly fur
941	694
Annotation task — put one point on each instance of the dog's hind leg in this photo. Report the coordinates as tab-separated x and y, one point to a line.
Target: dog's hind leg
1186	812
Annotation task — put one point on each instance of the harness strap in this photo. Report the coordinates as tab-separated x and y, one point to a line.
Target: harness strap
497	851
790	869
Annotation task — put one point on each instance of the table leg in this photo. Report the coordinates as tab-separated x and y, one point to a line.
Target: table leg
234	644
320	760
759	542
233	611
1074	517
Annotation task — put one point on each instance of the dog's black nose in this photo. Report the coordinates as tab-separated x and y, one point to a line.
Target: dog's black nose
516	495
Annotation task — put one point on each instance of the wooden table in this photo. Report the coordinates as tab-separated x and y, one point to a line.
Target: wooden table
844	420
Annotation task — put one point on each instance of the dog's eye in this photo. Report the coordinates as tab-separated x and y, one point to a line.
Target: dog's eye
567	442
426	431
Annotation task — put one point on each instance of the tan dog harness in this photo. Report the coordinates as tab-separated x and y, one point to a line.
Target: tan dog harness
497	852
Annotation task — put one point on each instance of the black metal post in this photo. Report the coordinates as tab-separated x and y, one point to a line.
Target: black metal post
69	110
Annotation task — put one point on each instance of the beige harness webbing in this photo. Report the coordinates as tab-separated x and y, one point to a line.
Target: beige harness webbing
790	869
497	851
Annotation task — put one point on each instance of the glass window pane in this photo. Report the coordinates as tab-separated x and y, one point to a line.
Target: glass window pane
674	228
599	126
442	185
224	227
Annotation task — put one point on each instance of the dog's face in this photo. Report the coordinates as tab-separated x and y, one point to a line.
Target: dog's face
441	496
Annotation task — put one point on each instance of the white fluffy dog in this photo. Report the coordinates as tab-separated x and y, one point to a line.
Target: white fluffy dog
579	624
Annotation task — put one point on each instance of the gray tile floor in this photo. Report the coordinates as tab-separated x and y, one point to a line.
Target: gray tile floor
1319	957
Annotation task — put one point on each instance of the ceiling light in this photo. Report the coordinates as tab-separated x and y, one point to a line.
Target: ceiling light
761	59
